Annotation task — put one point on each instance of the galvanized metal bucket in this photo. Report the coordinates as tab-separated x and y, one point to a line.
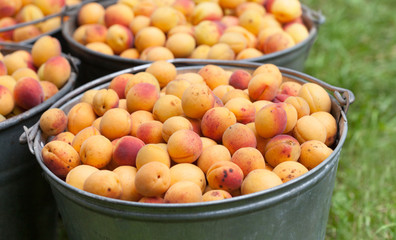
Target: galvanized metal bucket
95	64
27	207
297	209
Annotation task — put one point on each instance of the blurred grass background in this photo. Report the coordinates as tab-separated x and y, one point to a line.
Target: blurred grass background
356	49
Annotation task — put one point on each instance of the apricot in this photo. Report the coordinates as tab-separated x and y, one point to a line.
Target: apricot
190	77
152	152
7	22
7	102
183	192
215	121
243	109
282	148
248	53
200	52
125	151
60	157
239	79
82	135
250	37
225	175
115	123
104	100
185	28
174	124
270	120
196	100
52	48
313	152
104	183
221	51
290	88
309	128
49	7
57	70
167	106
66	137
142	96
118	84
300	105
25	33
126	175
118	14
291	116
138	118
207	142
263	86
145	8
149	37
181	44
88	96
150	132
163	71
251	20
252	5
140	77
77	176
96	151
131	53
165	18
330	124
138	23
184	6
221	90
100	47
53	121
206	11
156	53
277	41
234	93
24	72
213	75
156	199
80	116
119	38
208	33
214	195
260	104
316	96
184	146
248	159
238	136
188	172
259	180
289	170
285	10
28	93
89	13
153	179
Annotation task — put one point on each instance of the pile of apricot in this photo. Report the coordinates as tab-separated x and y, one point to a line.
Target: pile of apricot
154	30
168	136
28	78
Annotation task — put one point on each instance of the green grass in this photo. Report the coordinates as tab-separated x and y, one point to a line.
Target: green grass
356	49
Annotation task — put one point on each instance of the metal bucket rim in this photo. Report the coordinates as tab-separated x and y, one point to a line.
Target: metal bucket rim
313	32
311	174
45	104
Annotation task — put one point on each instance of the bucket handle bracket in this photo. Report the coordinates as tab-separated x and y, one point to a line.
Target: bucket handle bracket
28	136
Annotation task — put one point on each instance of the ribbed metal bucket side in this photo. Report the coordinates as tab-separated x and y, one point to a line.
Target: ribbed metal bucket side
27	206
297	209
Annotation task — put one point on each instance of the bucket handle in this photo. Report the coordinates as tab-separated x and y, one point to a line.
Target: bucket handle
315	15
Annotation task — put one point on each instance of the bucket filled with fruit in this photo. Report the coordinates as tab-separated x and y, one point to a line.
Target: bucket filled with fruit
202	151
23	22
32	79
114	35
